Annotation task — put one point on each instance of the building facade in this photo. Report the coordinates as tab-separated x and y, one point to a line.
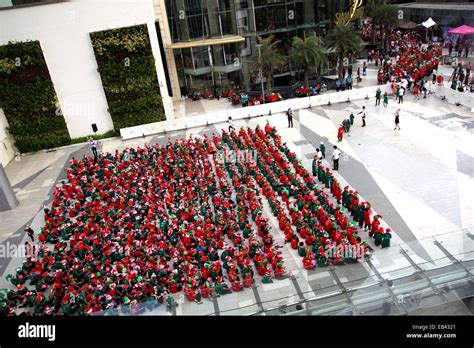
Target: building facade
212	43
63	30
445	14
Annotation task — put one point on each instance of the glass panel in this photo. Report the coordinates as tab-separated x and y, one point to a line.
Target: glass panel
458	243
391	263
355	275
426	254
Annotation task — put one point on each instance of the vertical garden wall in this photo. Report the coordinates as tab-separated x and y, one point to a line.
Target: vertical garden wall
127	69
28	98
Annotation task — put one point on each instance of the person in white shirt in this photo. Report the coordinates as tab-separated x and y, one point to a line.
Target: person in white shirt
401	92
404	83
231	124
93	146
363	113
319	155
335	158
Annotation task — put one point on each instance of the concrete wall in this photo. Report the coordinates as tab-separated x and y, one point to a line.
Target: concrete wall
7	151
63	31
162	18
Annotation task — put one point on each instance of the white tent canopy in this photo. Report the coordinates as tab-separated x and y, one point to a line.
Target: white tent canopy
428	23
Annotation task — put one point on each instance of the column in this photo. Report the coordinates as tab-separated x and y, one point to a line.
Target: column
8	199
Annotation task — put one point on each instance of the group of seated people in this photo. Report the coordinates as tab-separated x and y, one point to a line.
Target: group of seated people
245	100
138	225
302	91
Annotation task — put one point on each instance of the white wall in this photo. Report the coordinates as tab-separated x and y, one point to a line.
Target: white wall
6	142
63	31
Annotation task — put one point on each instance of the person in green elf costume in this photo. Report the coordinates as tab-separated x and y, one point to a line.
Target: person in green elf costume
351	118
315	165
379	236
322	148
386	237
346	125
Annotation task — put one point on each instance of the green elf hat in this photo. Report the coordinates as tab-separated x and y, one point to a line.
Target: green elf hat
139	279
126	300
351	224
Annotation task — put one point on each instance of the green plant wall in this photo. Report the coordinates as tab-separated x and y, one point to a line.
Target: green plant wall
127	69
28	98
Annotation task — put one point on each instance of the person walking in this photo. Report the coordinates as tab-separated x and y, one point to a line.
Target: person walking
30	232
349	82
401	93
397	119
364	69
385	99
335	158
289	114
351	118
363	114
378	95
319	155
93	146
424	88
230	123
314	165
416	91
322	147
340	133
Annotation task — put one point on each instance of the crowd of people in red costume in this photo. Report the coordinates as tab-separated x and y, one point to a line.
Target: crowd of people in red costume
138	225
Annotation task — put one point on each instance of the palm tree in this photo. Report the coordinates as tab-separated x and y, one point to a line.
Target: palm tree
307	53
344	40
374	12
388	18
269	59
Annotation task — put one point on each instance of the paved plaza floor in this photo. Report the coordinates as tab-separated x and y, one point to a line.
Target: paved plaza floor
420	179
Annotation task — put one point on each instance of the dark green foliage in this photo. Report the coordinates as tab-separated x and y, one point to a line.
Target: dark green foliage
127	69
28	98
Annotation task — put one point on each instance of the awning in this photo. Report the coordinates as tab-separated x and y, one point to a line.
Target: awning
407	25
428	23
462	30
212	41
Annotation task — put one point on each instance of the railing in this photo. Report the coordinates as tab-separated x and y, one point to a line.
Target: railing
248	112
455	97
398	280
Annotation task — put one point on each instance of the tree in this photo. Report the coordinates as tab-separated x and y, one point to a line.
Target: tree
270	58
373	10
344	40
383	15
388	18
307	53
